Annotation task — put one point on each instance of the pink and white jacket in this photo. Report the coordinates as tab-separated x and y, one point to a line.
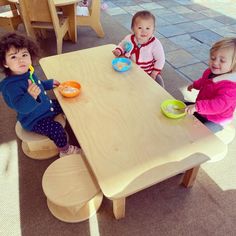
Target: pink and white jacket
216	100
149	56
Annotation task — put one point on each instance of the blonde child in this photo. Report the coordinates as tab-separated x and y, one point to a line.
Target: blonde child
35	110
142	46
216	100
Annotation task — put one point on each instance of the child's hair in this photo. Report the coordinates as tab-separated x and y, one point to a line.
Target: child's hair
17	41
142	15
226	43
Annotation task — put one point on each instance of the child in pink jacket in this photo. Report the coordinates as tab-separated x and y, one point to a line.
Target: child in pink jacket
142	47
216	100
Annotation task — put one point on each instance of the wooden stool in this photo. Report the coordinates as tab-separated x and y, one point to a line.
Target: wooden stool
35	145
226	135
72	194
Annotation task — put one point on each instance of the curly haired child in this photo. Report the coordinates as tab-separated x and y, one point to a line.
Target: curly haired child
35	110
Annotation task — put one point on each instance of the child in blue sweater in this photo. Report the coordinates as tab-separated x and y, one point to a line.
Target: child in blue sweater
35	110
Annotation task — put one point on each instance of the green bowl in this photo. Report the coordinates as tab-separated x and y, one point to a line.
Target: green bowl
173	108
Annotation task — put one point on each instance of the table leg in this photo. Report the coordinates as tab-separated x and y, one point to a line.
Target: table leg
70	12
190	176
119	208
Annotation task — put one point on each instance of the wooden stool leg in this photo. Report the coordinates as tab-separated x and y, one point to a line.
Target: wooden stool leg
190	176
40	154
78	213
119	208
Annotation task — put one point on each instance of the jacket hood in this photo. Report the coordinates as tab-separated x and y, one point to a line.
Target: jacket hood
12	78
227	76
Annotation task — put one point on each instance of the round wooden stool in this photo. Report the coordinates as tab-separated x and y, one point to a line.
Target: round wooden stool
226	135
35	145
72	194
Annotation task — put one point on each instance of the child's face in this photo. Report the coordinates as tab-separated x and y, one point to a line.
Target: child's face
18	60
143	29
221	60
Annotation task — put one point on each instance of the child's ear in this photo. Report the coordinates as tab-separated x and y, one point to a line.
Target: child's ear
6	66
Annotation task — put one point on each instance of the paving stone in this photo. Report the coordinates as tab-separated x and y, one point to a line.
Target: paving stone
196	7
223	31
159	36
210	23
183	2
185	41
142	1
226	20
180	58
151	6
181	9
194	16
132	9
194	71
191	27
123	3
170	30
169	45
231	28
210	13
176	18
124	20
115	11
160	21
201	51
168	3
110	4
206	36
162	12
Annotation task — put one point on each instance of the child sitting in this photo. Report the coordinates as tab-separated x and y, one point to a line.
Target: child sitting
35	110
216	100
142	47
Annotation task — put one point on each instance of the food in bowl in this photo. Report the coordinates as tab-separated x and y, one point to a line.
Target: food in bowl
69	89
173	108
121	64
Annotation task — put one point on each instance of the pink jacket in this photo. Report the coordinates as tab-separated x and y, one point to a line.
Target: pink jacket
149	56
216	101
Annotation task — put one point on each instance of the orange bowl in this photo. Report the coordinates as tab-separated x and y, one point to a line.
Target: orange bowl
69	89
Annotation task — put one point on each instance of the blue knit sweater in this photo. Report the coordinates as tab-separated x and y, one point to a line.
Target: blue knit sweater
29	111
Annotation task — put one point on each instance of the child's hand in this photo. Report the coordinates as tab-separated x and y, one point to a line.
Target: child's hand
56	83
190	109
154	74
33	89
116	52
190	87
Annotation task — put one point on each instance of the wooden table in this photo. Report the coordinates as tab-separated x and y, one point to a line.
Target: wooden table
129	144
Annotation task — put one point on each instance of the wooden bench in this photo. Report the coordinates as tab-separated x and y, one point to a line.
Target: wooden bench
37	146
72	193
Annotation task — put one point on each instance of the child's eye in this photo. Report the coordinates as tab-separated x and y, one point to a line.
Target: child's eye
213	58
147	28
13	57
139	27
222	61
25	54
